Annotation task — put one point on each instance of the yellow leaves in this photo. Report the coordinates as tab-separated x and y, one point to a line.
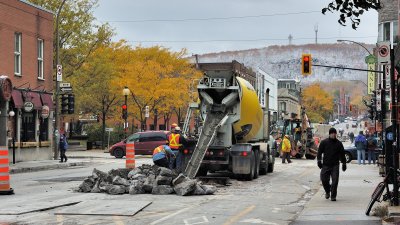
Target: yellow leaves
318	103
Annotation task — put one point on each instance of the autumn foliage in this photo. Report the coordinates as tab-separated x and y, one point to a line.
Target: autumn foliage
317	102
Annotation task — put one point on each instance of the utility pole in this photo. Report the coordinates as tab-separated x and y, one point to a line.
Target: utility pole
290	39
316	33
394	129
56	110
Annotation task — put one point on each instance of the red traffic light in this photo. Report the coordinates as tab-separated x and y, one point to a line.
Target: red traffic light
306	59
124	106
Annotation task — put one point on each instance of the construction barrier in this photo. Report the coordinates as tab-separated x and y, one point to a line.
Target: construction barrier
5	188
130	155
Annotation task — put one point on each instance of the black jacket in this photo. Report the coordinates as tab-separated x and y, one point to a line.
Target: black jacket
332	151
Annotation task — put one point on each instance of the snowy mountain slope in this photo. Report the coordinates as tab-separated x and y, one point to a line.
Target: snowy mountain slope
284	61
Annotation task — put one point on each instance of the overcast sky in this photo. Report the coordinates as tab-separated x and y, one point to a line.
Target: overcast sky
199	36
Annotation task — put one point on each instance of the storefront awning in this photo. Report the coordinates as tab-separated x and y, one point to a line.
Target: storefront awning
47	100
17	99
35	99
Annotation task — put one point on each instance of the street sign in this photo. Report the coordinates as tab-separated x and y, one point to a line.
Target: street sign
59	73
66	89
384	52
371	78
387	76
63	85
147	112
378	100
28	106
109	129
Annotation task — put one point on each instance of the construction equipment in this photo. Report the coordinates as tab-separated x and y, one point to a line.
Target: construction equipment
301	134
235	128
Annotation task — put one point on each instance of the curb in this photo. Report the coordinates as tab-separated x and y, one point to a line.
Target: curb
102	157
46	167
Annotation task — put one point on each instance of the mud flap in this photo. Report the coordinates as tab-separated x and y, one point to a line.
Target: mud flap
241	158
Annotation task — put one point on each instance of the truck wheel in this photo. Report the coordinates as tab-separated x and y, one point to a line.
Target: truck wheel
202	172
250	176
271	167
257	164
309	156
264	168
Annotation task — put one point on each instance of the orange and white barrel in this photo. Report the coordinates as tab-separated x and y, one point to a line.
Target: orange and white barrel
130	156
4	172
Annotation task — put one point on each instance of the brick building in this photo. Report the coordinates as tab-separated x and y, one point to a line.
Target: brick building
26	50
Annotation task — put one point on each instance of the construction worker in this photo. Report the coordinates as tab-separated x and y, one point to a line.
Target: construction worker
176	142
173	127
163	156
286	148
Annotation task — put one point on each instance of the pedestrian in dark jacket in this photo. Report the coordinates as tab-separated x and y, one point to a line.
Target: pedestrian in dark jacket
351	136
361	145
372	144
63	147
330	152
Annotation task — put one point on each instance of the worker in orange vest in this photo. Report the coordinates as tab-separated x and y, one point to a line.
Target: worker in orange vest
163	156
173	127
176	142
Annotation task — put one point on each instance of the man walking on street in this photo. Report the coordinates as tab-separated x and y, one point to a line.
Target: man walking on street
286	148
330	152
351	136
63	148
361	145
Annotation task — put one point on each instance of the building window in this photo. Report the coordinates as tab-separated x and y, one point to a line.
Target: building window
287	86
386	31
40	58
283	106
17	54
395	30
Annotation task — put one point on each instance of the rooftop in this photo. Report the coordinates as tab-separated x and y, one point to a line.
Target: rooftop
36	6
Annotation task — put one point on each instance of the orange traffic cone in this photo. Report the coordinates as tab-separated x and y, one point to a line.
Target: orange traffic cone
130	155
5	188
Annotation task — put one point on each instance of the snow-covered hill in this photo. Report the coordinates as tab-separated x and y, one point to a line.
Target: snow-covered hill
284	61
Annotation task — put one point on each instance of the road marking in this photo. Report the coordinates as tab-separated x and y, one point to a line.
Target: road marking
60	219
196	220
257	221
118	220
171	215
240	215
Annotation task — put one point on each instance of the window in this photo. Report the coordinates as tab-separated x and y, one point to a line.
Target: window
386	31
283	106
17	54
395	30
287	86
133	138
40	58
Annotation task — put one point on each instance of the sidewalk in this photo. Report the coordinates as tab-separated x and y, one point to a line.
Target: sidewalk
354	193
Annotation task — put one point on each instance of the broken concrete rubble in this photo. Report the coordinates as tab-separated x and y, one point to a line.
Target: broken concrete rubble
144	179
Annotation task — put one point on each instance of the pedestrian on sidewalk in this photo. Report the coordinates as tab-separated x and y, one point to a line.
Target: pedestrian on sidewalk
63	148
372	144
330	152
286	148
361	145
351	136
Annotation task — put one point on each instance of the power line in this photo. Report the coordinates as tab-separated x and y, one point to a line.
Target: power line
210	18
241	40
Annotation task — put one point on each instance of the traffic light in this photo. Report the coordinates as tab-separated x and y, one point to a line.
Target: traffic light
371	108
71	103
124	111
64	104
351	108
306	64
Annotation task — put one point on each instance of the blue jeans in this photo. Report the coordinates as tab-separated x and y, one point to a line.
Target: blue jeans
371	156
360	154
178	160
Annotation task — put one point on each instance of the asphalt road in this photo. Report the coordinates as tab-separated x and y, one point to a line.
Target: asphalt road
276	198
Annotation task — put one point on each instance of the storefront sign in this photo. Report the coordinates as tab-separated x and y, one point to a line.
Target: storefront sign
45	112
28	106
5	88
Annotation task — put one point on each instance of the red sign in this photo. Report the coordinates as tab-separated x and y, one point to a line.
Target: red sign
5	88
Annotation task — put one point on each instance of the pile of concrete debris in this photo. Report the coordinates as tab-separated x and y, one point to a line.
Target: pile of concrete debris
144	179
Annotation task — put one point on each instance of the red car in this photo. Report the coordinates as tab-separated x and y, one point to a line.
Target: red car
145	143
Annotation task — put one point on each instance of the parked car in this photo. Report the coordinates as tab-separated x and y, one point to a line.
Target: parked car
145	143
354	124
351	153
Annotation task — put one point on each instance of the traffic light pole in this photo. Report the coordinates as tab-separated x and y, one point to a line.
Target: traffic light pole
126	118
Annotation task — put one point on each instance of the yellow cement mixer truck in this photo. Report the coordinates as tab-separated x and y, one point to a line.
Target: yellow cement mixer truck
235	131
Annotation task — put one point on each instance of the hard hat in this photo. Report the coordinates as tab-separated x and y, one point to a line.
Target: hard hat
286	135
174	125
177	128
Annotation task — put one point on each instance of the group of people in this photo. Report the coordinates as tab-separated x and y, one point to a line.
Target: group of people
366	144
170	155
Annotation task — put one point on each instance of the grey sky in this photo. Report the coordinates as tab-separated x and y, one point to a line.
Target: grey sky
275	27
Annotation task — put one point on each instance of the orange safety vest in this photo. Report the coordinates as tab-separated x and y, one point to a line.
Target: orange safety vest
174	141
158	150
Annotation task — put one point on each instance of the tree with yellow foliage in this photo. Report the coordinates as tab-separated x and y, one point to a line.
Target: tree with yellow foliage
317	102
156	77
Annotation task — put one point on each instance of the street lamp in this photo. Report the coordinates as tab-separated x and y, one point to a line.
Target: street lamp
56	117
357	43
126	92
